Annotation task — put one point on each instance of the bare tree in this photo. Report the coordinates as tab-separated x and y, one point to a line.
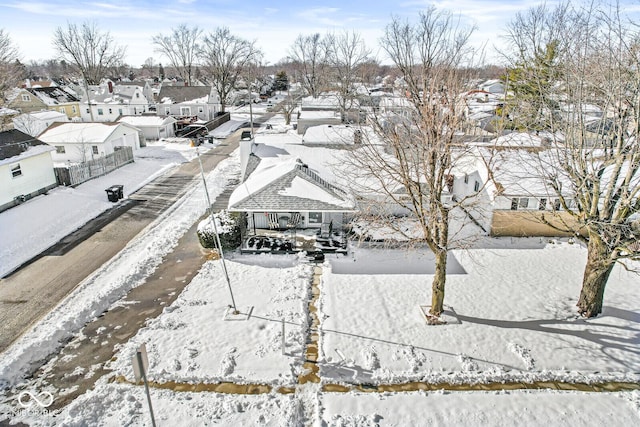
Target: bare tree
89	51
346	54
225	58
8	56
412	167
181	47
592	167
308	54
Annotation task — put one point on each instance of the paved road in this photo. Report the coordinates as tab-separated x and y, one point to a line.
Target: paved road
32	291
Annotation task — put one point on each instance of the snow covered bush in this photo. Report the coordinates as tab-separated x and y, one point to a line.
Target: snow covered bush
228	226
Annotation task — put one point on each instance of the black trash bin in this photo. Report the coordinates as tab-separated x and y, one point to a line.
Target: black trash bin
115	193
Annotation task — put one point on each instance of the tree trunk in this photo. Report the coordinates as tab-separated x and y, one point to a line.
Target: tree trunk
596	275
437	286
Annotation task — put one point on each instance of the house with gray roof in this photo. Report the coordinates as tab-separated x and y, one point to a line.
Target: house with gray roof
283	194
194	102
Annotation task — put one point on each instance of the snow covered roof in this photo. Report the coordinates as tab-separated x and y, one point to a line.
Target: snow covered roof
80	132
48	115
8	112
147	121
16	145
288	185
330	134
179	94
53	95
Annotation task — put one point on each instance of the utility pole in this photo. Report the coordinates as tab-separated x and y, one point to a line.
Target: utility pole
215	231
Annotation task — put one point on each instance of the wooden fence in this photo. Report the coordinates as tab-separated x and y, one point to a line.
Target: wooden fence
77	174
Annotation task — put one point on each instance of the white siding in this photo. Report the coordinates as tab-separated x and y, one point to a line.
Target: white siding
37	173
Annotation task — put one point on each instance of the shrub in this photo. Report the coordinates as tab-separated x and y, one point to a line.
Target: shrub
229	229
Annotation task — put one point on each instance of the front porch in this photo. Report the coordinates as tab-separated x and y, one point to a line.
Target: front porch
292	232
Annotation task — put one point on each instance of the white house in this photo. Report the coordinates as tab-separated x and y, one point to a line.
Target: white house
152	127
34	123
26	168
80	142
109	102
196	102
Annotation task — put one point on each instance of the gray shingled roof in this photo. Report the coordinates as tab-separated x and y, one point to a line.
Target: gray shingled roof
270	197
14	142
183	93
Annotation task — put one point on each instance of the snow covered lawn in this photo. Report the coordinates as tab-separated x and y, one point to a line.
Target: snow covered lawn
191	342
514	300
516	312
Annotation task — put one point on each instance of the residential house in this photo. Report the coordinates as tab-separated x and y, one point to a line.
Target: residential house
30	100
323	110
281	193
79	142
24	101
519	197
58	99
26	168
152	127
35	123
110	101
191	102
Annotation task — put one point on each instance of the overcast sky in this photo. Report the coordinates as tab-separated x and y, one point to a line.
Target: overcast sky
274	25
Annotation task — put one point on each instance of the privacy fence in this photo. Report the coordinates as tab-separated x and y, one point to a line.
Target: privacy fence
77	174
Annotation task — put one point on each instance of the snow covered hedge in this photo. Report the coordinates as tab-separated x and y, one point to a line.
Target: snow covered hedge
229	229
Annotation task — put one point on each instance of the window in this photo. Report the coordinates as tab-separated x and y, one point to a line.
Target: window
110	111
120	111
73	109
100	112
185	111
15	170
476	186
519	203
556	204
523	203
514	204
542	205
60	149
137	95
61	109
94	149
88	112
200	110
466	178
26	98
315	217
167	111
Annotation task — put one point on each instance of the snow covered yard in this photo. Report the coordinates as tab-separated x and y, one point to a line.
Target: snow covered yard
192	342
517	320
514	301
